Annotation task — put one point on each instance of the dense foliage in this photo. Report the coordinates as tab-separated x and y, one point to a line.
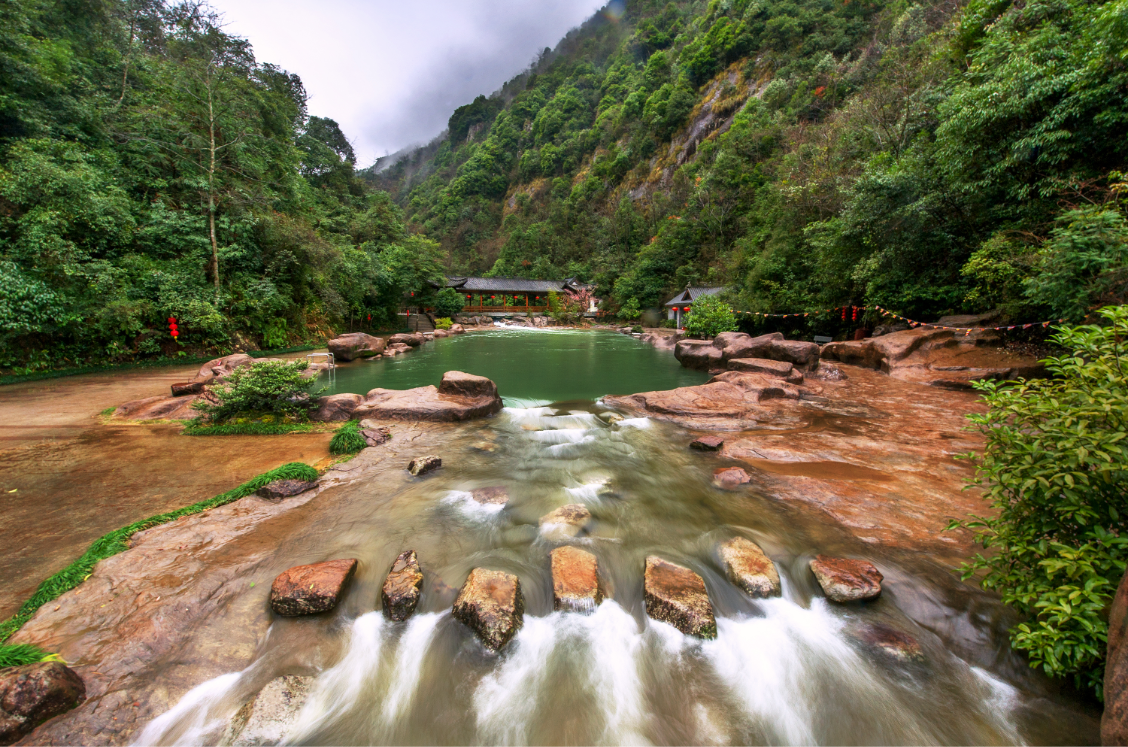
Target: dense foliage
1055	469
709	317
151	167
348	439
265	387
926	156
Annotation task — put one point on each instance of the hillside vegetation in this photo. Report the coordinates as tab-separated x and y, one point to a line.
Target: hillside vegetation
929	157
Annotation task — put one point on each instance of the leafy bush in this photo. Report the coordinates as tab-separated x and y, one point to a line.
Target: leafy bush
276	387
448	302
630	310
347	439
443	322
636	329
1055	469
709	316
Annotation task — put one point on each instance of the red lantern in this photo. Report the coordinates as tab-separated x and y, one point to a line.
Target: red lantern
172	330
413	293
467	297
855	309
492	297
843	313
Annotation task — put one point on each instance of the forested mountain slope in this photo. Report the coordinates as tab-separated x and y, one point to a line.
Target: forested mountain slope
929	157
151	167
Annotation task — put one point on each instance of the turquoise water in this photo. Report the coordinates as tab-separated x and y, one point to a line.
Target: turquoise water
528	366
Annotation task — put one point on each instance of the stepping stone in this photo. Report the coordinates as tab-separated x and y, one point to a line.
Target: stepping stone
676	595
565	522
749	568
847	579
730	478
272	715
422	465
375	436
495	496
403	587
309	589
491	604
32	693
708	443
610	417
285	488
575	580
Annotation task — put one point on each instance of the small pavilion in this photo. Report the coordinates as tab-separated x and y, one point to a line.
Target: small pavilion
680	304
509	295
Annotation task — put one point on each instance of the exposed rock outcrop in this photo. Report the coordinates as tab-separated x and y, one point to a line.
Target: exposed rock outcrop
309	589
707	443
847	579
411	340
730	478
31	694
374	435
460	396
491	604
424	464
676	595
735	345
889	642
575	580
732	400
159	408
701	354
564	522
336	408
495	495
188	387
778	369
356	345
1114	723
749	568
217	370
271	715
285	488
403	587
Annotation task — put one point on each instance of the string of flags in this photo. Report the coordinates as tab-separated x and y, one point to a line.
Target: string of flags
851	313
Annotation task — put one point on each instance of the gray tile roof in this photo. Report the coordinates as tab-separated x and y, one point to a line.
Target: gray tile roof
689	295
506	285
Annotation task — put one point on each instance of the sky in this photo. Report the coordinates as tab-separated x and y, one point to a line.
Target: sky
392	72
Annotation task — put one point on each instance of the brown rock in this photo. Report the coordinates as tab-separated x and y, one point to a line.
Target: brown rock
707	443
309	589
31	694
336	408
566	521
355	345
402	587
424	464
491	604
698	354
1114	722
285	488
730	478
188	387
889	641
749	568
456	329
847	579
375	436
459	384
496	495
575	580
778	369
676	595
404	339
159	408
440	333
217	370
802	354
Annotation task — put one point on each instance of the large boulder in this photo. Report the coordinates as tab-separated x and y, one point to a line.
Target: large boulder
749	568
31	694
159	408
707	443
412	340
699	354
766	366
217	370
356	345
460	397
336	408
491	604
309	589
676	595
772	346
424	464
847	579
575	580
279	489
403	587
456	329
564	522
732	400
730	478
1114	723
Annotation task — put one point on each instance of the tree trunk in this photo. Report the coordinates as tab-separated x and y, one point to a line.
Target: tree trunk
211	187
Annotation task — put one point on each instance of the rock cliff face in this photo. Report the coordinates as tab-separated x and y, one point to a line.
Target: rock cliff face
1114	723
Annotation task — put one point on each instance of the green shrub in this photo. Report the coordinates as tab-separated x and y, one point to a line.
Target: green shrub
448	302
347	439
1055	470
248	429
669	323
443	322
275	387
630	310
636	329
709	316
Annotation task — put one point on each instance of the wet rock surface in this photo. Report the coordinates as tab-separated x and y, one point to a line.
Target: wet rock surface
1114	723
159	408
730	478
285	488
411	340
749	568
424	464
459	397
676	595
491	604
216	371
779	369
566	521
373	435
187	387
270	717
495	495
701	354
732	400
336	408
31	694
310	589
403	587
707	443
889	642
356	345
847	579
773	346
575	580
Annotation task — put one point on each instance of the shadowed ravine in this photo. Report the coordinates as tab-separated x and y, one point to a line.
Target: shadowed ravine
789	670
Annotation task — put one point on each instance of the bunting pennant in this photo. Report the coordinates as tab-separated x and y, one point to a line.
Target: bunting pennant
855	311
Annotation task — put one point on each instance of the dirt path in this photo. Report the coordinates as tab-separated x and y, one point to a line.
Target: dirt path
75	479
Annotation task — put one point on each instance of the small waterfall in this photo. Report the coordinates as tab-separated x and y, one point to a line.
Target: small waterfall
464	501
408	668
199	714
506	699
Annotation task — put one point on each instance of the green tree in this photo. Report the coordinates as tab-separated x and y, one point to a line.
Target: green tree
709	316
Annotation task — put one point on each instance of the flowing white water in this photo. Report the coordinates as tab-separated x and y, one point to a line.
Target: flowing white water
464	501
197	715
408	667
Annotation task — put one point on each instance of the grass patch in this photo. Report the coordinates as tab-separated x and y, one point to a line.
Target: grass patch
115	541
250	429
19	654
283	351
347	439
